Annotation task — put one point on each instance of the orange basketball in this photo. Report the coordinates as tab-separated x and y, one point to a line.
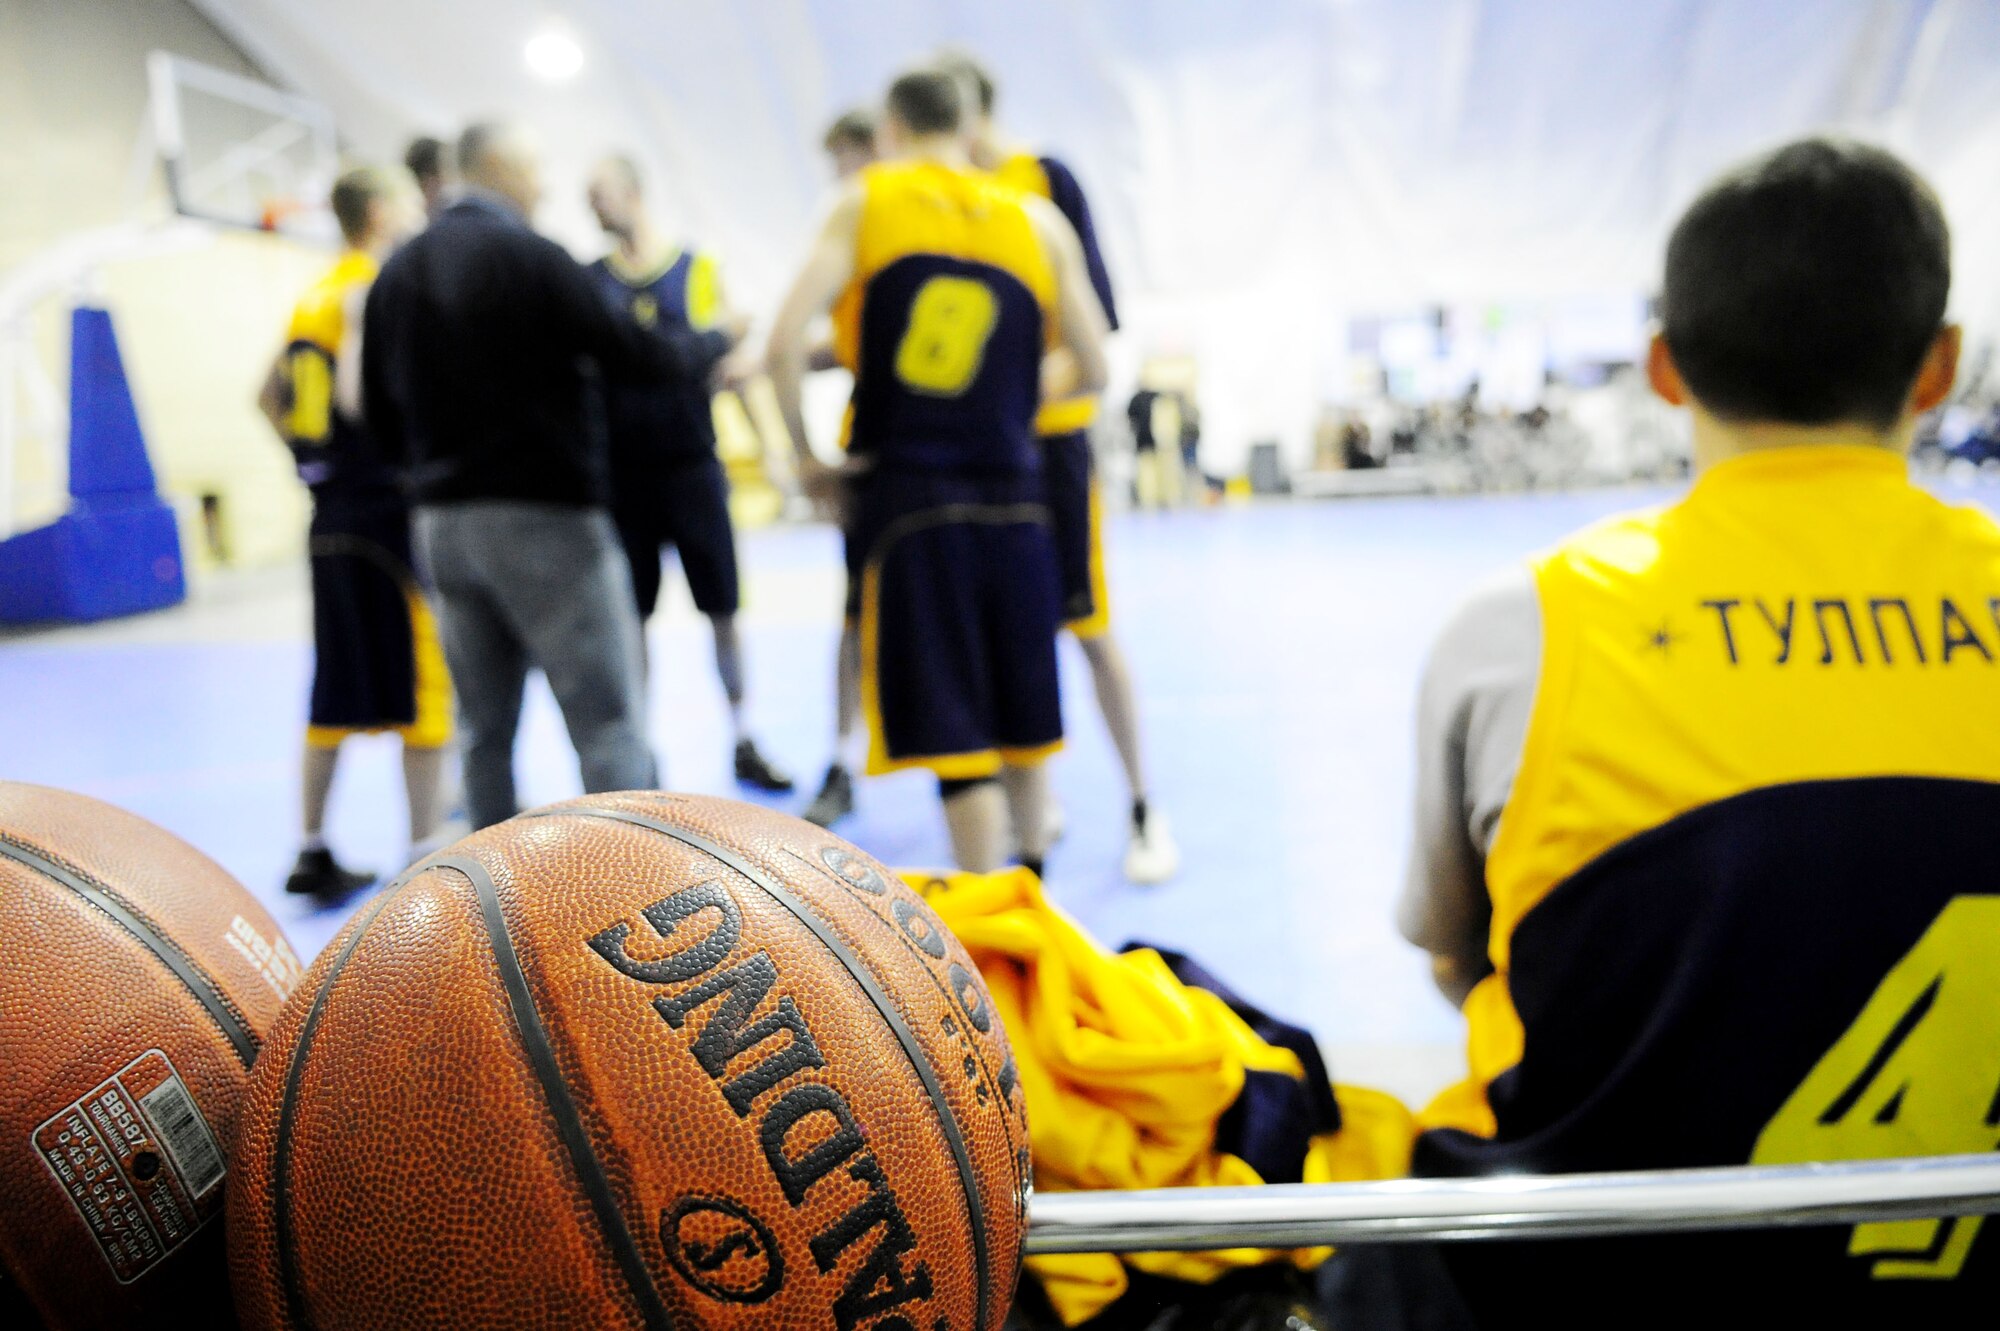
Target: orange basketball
638	1061
137	980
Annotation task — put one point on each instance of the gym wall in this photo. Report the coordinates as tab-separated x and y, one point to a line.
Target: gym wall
198	328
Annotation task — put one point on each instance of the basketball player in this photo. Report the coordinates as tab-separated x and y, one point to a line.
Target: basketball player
1064	427
950	287
428	161
850	143
1707	793
667	485
377	663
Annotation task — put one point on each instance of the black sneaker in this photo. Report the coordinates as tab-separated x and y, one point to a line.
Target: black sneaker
752	769
835	799
318	874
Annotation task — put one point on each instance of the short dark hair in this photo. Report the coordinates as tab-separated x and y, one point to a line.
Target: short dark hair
353	194
477	141
855	126
1807	285
928	101
424	158
963	65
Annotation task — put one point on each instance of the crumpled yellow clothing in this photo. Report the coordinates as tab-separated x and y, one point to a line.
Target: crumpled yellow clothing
1126	1071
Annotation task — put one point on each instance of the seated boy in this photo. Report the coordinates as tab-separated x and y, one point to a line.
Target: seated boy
1708	793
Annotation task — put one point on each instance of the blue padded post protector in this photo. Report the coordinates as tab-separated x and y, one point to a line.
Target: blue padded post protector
117	551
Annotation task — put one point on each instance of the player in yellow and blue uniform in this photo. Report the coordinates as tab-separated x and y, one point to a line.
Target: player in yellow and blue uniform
949	291
377	662
1708	793
667	484
1076	508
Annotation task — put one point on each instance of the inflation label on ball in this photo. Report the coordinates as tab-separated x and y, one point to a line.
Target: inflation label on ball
138	1162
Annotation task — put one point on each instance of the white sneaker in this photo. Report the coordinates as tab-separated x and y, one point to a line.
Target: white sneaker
1151	857
1054	821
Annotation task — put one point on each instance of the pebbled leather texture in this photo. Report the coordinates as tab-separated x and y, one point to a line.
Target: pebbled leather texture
404	1162
82	996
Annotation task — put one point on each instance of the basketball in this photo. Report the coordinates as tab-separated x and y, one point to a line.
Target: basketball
140	979
635	1060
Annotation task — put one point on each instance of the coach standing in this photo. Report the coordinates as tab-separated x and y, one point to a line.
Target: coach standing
476	375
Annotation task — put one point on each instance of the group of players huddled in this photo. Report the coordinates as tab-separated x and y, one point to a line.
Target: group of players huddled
967	297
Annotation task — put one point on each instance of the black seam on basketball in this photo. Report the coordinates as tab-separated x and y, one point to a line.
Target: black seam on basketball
281	1149
562	1106
951	1004
234	1027
891	1016
986	1074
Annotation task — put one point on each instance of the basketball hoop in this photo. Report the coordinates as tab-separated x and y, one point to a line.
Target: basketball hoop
277	211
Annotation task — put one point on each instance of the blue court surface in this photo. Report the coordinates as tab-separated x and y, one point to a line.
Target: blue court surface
1276	648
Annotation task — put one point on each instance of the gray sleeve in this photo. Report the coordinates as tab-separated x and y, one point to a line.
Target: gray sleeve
1472	717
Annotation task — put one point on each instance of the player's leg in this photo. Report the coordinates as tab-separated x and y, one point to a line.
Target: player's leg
1022	612
698	515
1028	804
340	695
1151	854
316	872
835	799
975	814
427	739
1076	512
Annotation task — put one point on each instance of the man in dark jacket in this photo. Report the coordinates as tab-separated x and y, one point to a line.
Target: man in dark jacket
477	375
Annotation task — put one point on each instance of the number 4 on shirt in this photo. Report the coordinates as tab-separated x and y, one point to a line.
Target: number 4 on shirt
1918	1073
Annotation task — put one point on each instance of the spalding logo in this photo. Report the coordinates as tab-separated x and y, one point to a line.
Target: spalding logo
722	1250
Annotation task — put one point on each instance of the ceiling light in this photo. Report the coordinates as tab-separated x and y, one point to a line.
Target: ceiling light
553	54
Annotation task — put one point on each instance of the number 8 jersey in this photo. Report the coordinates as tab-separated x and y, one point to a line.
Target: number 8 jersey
945	322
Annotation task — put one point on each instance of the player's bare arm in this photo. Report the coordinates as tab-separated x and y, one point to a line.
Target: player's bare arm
347	362
1076	365
828	269
274	398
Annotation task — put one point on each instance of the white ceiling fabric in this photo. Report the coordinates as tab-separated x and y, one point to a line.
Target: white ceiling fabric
1260	170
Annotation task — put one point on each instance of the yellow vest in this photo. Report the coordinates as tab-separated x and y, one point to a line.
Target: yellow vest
919	208
1804	614
319	322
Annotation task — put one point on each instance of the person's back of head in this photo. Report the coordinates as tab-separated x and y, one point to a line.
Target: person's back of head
498	158
427	161
975	79
923	104
850	141
617	194
1804	295
362	201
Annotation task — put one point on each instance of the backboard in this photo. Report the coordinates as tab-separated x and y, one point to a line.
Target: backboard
240	153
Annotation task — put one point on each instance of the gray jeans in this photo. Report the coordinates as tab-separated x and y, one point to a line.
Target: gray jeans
523	585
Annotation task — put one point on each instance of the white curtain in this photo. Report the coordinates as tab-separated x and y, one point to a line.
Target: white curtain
1262	171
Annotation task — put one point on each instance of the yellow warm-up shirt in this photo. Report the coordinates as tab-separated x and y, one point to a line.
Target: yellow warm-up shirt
1126	1073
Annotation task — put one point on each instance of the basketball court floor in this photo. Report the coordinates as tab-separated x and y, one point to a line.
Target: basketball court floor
1276	645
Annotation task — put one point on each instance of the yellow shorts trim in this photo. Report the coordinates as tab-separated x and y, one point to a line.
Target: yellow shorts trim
1034	757
1098	622
432	728
1065	415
